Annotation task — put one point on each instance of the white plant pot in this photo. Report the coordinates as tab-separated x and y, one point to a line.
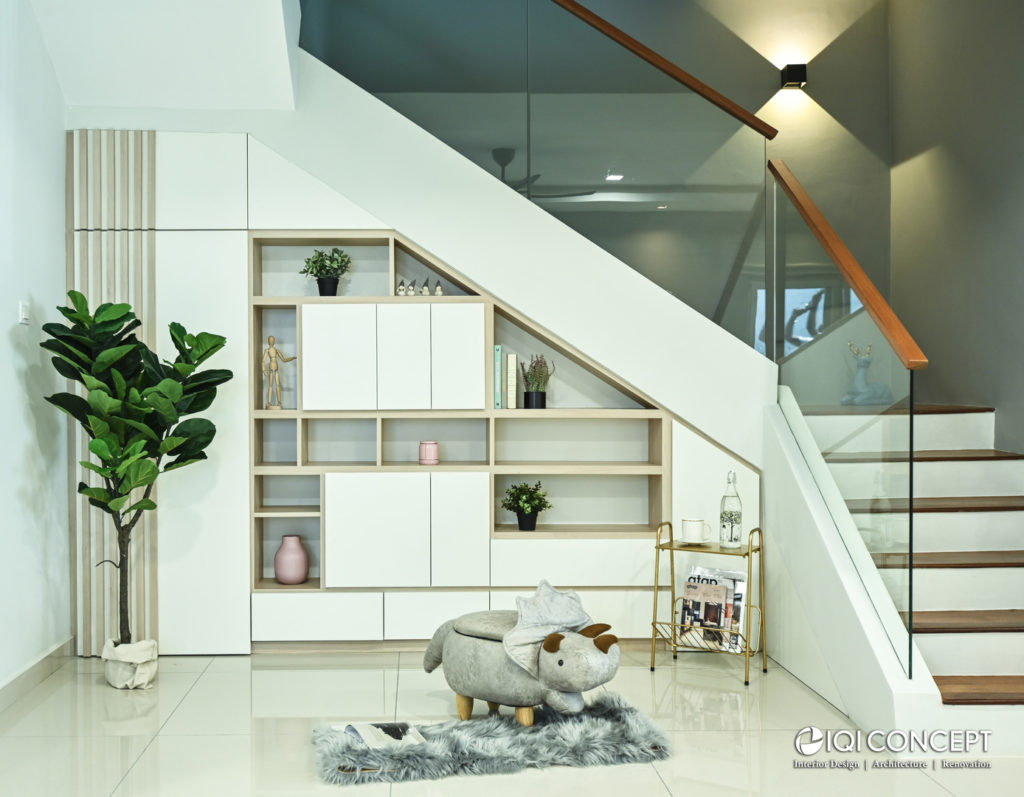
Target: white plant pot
131	666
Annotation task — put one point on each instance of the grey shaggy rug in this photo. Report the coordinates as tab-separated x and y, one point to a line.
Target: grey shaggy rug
609	731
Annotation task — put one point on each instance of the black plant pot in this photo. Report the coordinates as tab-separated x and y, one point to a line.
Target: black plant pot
328	286
535	399
527	520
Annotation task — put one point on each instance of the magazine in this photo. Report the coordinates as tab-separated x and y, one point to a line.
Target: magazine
733	586
383	734
704	606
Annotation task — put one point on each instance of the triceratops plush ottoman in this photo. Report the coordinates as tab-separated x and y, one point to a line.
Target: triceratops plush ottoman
549	651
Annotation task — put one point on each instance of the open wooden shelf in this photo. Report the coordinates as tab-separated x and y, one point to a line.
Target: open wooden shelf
270	585
569	531
542	468
287	511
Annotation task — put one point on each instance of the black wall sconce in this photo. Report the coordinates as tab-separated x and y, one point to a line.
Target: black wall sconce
794	76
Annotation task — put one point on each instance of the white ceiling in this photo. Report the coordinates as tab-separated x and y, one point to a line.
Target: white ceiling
202	54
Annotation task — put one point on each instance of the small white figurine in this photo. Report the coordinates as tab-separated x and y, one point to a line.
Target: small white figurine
425	290
438	290
411	289
401	289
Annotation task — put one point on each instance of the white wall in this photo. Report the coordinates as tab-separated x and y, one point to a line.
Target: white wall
958	191
34	592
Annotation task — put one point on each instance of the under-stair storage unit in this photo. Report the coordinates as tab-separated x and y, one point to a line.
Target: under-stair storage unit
374	375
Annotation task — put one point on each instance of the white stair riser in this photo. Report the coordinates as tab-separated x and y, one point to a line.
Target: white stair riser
944	531
958	588
972	654
969	531
931	479
852	433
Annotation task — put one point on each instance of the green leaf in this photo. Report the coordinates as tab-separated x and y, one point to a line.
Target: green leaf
75	406
155	370
164	406
178	335
108	357
92	383
105	472
171	443
66	369
207	379
206	345
69	353
100	448
113	312
98	426
102	505
118	503
145	503
120	386
141	427
199	433
181	463
62	333
166	387
103	404
140	474
97	493
79	302
185	369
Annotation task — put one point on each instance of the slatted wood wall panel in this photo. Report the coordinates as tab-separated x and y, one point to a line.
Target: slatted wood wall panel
111	249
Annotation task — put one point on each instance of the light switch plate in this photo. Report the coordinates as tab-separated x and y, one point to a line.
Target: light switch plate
23	317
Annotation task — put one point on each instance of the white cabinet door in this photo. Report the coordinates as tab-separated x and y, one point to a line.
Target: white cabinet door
339	357
460	515
457	356
377	530
403	356
417	615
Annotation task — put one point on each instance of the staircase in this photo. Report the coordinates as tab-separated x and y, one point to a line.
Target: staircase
968	576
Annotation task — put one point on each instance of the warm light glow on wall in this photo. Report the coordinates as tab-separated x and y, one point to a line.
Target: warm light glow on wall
788	101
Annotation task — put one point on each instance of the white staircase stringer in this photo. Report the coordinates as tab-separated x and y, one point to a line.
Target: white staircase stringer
846	604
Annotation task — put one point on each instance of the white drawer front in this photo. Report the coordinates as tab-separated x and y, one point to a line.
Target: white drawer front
416	615
294	617
574	563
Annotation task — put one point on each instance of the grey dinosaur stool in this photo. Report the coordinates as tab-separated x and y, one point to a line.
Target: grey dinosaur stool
477	666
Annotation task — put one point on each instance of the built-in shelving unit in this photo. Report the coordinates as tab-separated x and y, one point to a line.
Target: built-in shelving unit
377	373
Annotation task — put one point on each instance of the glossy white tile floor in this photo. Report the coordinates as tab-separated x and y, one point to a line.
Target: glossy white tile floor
241	725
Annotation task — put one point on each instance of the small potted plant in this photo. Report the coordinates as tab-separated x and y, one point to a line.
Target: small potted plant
327	268
526	502
535	379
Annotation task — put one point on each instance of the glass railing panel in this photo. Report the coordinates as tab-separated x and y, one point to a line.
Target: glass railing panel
457	68
854	394
642	166
541	100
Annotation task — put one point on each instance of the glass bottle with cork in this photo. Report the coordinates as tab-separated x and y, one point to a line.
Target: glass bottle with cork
730	516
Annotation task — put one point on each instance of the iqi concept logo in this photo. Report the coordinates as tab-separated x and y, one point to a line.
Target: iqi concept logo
810	741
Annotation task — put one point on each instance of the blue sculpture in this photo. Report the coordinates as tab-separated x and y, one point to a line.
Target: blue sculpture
862	392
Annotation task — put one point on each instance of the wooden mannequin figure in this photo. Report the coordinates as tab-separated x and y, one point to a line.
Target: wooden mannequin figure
270	364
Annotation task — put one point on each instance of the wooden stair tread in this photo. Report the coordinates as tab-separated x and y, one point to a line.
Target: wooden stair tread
935	455
981	689
934	559
897	409
984	503
969	622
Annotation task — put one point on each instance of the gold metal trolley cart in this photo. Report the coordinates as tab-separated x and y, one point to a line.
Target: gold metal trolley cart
686	635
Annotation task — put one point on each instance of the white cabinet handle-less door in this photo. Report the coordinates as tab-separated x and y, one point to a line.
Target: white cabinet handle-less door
339	357
377	530
460	540
457	356
403	357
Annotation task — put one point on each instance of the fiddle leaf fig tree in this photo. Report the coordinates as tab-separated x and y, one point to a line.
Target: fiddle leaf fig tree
132	411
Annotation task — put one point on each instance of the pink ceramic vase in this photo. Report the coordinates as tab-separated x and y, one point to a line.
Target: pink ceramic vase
291	562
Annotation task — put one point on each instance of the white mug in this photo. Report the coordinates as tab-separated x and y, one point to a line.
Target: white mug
692	532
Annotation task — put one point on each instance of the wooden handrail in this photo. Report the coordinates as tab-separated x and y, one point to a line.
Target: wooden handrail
906	347
670	69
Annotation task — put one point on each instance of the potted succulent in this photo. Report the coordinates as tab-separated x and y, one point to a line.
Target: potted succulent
327	268
131	408
526	502
535	379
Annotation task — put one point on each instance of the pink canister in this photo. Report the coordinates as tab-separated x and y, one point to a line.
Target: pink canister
430	452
